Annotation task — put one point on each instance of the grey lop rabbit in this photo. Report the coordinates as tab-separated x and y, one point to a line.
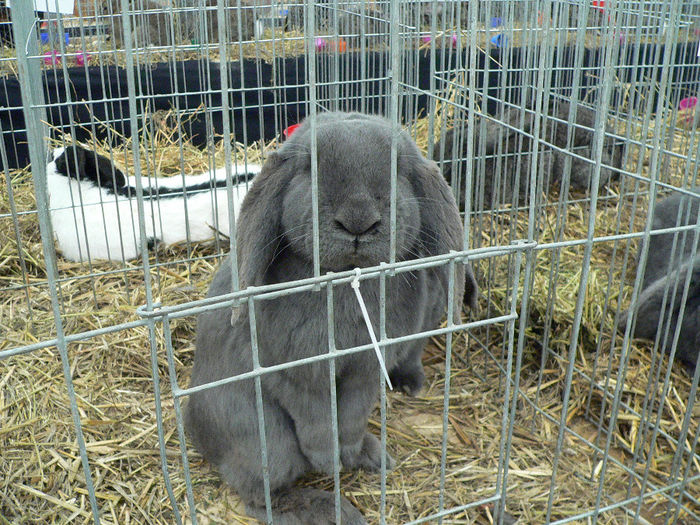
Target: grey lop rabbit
274	244
506	153
666	271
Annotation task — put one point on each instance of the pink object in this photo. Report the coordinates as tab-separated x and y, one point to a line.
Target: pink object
52	58
687	103
426	39
454	40
82	58
321	43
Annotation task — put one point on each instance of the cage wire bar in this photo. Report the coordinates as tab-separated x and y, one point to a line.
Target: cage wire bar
542	406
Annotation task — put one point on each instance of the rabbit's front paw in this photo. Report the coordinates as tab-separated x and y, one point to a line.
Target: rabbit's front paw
322	462
366	455
408	380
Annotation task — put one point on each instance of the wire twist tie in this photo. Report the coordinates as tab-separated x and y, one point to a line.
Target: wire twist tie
355	283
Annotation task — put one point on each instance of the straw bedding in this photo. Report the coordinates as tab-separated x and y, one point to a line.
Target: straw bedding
43	480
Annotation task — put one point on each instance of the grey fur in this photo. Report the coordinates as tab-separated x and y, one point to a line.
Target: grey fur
507	154
667	268
274	241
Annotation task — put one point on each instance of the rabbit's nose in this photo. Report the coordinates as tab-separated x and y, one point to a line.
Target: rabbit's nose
358	221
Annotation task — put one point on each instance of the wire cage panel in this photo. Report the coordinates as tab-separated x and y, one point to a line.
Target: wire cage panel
564	129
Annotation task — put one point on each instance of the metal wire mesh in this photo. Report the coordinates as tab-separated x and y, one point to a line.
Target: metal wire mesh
560	125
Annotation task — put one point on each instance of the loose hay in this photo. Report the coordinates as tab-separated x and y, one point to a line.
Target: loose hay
43	479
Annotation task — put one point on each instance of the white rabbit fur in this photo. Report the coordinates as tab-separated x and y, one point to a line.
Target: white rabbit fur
94	214
274	244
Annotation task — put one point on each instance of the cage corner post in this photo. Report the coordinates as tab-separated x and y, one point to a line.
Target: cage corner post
31	88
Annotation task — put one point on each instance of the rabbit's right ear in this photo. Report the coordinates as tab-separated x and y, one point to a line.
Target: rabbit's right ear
105	173
441	226
71	163
260	221
86	165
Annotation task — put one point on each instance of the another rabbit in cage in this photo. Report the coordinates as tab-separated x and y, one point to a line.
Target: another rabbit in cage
274	245
507	154
94	214
665	278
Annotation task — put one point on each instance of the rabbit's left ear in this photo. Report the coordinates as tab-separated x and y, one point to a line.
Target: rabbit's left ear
86	165
71	163
441	226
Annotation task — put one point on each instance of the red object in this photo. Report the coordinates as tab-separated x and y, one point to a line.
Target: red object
341	46
291	129
598	4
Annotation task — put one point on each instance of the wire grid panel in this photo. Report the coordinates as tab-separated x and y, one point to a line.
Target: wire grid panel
600	426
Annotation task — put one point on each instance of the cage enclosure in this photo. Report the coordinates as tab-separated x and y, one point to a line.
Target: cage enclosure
568	133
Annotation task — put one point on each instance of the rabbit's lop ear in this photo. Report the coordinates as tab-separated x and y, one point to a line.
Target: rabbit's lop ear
105	174
71	163
260	221
86	165
441	226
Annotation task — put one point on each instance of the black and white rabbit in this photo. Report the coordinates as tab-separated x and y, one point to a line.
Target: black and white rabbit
93	206
507	154
274	244
666	271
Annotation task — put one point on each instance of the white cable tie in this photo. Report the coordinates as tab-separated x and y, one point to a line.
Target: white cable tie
355	283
